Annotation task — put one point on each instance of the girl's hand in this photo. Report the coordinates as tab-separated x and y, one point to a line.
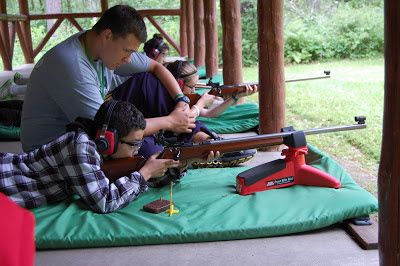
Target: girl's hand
250	89
207	99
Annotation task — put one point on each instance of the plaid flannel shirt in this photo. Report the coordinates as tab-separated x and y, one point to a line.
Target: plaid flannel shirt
68	165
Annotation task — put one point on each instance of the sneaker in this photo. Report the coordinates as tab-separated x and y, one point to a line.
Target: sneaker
228	159
5	89
19	79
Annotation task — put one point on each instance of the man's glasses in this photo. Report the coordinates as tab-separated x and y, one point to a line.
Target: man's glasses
134	144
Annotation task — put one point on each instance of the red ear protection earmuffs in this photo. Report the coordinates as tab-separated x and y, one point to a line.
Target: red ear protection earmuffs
181	83
155	52
107	139
177	75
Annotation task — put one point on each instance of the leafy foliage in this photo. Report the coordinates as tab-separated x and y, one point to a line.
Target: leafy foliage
316	29
313	29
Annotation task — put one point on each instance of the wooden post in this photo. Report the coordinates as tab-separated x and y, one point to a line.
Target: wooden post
51	7
5	39
104	5
199	37
271	66
26	31
232	42
389	170
182	24
190	29
211	31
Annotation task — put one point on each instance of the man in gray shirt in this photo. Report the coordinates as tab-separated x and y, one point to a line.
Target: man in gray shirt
72	78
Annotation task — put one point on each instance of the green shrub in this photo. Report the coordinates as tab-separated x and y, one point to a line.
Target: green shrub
343	29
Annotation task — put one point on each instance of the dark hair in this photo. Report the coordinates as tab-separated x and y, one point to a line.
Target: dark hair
157	42
182	69
122	20
125	117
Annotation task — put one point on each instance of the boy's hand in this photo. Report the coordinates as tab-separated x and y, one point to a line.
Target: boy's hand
181	120
156	167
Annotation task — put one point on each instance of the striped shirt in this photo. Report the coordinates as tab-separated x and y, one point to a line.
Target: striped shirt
66	166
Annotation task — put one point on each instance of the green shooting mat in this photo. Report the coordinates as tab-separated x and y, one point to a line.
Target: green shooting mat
235	119
9	133
201	71
210	210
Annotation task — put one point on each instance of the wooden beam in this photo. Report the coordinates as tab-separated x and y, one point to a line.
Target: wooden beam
47	36
366	236
64	15
143	13
164	34
199	37
159	12
182	29
13	17
22	41
232	42
12	30
389	170
75	23
26	30
211	31
190	28
271	66
5	39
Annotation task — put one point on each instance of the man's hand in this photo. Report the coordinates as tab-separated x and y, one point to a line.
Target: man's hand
156	167
181	120
182	105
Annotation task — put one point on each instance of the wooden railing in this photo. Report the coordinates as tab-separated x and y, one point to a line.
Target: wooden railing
10	25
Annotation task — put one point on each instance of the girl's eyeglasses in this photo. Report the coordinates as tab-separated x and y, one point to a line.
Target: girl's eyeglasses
190	86
134	144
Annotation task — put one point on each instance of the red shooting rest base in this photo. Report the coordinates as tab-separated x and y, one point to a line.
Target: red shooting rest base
17	226
283	173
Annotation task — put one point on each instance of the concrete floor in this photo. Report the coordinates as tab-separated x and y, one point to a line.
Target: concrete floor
330	246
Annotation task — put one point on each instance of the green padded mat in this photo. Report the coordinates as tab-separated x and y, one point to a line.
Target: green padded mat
235	119
210	210
9	133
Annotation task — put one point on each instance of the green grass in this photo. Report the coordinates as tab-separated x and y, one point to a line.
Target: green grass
356	87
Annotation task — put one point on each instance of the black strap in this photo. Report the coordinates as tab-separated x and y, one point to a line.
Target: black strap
84	124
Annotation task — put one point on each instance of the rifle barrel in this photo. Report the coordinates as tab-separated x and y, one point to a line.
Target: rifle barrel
304	79
312	131
122	167
205	86
333	129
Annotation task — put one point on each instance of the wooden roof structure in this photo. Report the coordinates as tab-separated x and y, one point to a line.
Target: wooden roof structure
197	20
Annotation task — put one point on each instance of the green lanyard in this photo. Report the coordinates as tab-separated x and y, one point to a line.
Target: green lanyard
100	74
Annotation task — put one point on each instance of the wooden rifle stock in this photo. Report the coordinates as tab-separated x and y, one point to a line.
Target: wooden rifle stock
117	168
221	91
